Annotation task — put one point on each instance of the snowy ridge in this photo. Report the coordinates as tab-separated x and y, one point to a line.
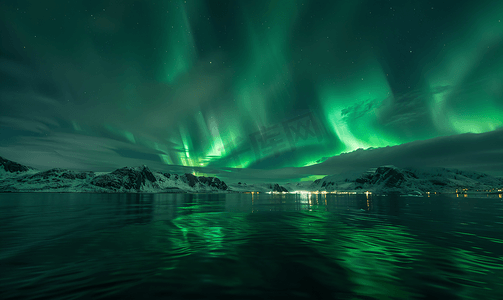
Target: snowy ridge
260	187
8	166
393	180
190	183
15	177
124	180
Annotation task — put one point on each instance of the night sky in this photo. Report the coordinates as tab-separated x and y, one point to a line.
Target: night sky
257	89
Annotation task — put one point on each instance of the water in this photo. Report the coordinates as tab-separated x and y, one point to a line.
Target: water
243	246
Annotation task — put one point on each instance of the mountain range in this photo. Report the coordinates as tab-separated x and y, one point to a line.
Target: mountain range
15	177
393	180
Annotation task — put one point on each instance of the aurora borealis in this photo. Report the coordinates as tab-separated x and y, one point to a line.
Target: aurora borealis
232	85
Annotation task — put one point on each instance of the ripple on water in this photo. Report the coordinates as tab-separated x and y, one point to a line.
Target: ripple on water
205	246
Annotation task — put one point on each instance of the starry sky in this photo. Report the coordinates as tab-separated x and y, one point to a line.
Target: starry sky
260	89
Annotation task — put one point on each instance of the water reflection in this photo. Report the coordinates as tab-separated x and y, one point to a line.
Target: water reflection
250	246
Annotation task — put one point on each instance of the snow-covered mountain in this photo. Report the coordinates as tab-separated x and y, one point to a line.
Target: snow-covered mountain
18	178
259	187
390	179
15	177
12	167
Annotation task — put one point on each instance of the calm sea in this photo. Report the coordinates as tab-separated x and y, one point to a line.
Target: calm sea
244	246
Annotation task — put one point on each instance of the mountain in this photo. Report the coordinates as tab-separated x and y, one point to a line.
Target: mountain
259	187
15	177
19	178
126	180
12	167
195	182
393	180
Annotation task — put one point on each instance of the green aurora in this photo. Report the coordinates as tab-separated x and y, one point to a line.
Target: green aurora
248	84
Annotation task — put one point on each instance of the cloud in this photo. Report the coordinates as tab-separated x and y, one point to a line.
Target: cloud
477	152
23	124
359	110
78	152
408	109
480	152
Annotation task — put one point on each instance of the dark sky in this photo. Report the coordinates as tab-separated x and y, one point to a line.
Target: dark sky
241	86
